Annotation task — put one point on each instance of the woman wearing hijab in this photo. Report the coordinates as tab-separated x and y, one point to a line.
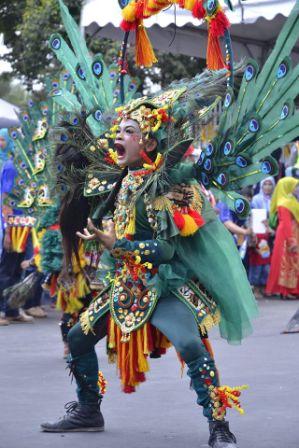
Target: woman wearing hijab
284	271
263	198
259	250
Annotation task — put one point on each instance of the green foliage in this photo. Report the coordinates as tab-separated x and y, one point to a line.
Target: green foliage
27	25
13	93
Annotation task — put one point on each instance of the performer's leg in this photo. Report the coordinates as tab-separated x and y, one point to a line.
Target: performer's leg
83	360
178	324
84	415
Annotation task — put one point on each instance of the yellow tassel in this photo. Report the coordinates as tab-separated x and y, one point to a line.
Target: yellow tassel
190	226
129	12
131	227
145	339
142	362
37	261
189	4
111	337
20	238
59	299
144	51
153	7
13	236
35	239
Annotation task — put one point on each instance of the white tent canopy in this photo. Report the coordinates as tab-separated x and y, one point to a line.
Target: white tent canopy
8	116
255	26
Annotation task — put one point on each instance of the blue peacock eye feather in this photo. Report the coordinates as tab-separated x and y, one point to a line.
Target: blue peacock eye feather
228	100
123	3
284	112
266	167
14	135
75	121
30	103
205	179
97	68
240	205
208	166
56	43
132	86
249	72
25	117
23	165
34	185
211	6
112	75
80	72
64	138
241	161
253	125
56	92
55	84
66	76
98	115
21	182
227	148
282	70
201	159
222	179
210	149
12	203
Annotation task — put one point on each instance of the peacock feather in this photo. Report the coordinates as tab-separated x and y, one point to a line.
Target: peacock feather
260	119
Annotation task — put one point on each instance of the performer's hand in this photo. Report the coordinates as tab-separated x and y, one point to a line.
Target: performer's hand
26	264
107	238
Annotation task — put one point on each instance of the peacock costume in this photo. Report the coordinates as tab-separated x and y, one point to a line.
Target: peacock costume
174	270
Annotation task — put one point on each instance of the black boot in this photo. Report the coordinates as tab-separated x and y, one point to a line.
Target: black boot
220	435
79	417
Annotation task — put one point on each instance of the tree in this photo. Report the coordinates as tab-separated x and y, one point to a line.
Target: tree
27	26
13	93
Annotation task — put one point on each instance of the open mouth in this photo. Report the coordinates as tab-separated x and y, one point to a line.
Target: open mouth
119	148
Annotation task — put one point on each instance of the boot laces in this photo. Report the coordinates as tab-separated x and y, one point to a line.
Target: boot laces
71	407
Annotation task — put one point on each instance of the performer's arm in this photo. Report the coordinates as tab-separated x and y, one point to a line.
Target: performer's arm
152	251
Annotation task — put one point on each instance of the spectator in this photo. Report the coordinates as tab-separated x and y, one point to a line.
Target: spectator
293	168
284	270
10	269
263	198
259	252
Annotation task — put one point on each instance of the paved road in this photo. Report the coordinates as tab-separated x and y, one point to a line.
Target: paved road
34	386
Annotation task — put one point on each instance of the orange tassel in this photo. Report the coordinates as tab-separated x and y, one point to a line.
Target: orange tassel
132	355
215	59
217	27
145	55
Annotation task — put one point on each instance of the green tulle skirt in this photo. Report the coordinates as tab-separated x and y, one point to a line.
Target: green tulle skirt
212	257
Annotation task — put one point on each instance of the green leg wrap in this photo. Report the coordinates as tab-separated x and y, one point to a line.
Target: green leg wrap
204	378
85	370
